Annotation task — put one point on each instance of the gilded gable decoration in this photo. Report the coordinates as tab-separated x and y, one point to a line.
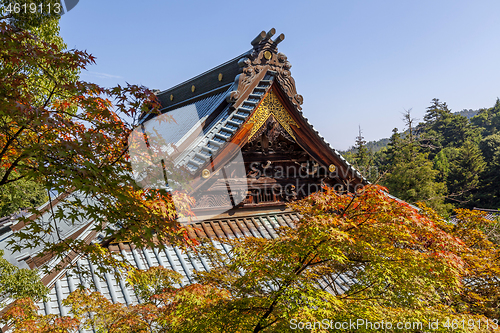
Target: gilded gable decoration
271	106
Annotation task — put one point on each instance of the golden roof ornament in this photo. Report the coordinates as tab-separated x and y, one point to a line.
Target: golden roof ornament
271	106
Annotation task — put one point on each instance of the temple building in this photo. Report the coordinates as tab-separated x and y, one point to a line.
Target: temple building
249	150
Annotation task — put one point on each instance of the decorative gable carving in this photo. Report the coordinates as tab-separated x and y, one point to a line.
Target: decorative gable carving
271	107
264	58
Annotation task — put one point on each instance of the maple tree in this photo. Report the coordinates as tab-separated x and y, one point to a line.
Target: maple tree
394	264
69	140
25	192
481	286
71	137
19	283
351	256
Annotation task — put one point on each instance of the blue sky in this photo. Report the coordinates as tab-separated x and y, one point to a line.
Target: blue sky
355	62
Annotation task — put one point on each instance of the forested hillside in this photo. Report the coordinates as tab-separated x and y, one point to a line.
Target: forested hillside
468	113
373	146
450	160
376	145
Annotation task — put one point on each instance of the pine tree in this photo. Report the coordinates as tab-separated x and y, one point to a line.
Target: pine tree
393	146
487	194
442	162
443	129
436	111
465	171
488	119
411	175
362	156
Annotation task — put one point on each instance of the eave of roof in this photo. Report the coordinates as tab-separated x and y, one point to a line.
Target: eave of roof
201	86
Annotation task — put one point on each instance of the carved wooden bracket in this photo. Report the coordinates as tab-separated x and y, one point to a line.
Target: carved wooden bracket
263	58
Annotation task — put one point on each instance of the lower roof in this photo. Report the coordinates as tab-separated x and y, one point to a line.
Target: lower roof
116	290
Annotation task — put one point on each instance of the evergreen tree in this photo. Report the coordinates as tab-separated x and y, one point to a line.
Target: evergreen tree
488	119
390	154
363	158
362	154
487	194
442	162
464	175
411	175
490	147
442	129
465	168
436	111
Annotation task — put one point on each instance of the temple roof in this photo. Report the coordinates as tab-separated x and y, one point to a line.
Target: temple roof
220	101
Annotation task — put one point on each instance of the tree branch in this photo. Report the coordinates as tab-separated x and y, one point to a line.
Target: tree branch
10	169
11	139
8	16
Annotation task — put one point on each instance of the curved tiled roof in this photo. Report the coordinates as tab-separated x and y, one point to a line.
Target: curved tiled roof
185	263
230	120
